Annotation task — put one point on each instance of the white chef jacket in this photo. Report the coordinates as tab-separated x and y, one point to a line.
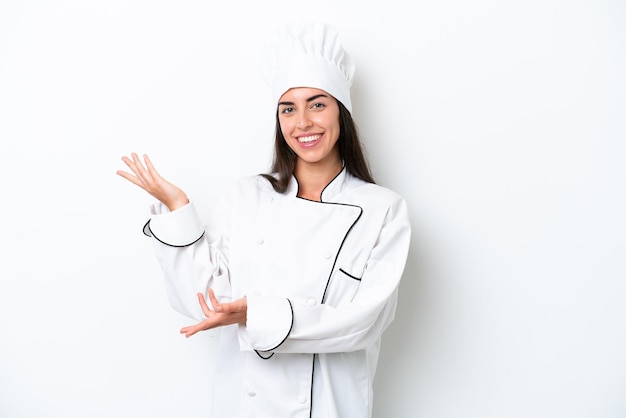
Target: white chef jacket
321	281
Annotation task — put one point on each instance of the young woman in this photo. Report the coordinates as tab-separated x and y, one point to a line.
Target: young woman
298	268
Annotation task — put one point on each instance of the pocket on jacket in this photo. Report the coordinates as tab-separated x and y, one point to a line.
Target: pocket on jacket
342	287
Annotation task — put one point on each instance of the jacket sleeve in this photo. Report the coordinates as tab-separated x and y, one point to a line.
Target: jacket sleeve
192	257
300	326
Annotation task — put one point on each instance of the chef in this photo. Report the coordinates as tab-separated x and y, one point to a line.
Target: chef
298	268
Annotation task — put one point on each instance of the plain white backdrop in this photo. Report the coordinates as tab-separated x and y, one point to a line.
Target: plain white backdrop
502	124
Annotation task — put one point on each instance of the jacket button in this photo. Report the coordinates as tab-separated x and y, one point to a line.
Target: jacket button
310	302
327	255
259	241
302	399
251	393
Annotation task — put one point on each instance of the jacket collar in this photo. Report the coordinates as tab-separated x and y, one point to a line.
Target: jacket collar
331	190
335	186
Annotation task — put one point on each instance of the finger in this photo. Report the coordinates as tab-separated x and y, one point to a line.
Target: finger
216	304
129	177
200	326
188	331
140	169
128	161
137	168
205	308
192	329
130	164
150	167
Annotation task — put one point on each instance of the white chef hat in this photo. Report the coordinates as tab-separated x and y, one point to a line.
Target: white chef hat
308	54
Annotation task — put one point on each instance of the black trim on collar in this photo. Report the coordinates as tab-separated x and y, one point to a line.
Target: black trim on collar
343	167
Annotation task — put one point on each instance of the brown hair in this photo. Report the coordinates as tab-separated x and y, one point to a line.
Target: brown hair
350	151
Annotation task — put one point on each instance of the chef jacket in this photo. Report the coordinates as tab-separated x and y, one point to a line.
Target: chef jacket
321	282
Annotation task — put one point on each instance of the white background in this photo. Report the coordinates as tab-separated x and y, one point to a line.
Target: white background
502	123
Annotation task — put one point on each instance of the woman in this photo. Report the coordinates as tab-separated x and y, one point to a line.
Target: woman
301	267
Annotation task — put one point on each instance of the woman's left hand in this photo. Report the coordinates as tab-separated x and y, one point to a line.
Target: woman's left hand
234	312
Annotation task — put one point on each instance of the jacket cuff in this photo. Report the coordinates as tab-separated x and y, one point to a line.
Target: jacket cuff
179	228
269	322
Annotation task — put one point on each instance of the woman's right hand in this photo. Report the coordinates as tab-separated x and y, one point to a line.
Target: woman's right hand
146	177
222	314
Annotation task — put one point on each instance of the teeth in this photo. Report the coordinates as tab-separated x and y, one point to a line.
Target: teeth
306	139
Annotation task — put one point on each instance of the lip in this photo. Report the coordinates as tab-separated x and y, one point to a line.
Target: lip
310	143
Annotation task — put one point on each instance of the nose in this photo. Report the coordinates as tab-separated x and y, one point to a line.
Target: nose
303	120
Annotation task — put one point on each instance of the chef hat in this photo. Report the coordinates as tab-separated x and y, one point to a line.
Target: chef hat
308	54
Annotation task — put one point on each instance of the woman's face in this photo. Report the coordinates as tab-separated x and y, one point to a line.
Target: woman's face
309	121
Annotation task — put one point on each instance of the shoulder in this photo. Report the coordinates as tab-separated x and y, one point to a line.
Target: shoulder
379	205
250	186
371	193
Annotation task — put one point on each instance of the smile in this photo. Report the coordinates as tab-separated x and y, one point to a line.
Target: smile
308	139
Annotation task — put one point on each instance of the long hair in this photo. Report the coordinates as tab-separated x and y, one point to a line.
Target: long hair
350	152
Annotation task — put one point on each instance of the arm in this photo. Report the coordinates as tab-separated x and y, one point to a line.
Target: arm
191	259
190	262
296	326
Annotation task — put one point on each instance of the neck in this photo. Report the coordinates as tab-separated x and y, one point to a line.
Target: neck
313	178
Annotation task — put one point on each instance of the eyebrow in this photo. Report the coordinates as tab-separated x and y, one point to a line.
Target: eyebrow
310	99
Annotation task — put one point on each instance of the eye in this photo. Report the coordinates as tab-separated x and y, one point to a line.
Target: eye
287	110
318	105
